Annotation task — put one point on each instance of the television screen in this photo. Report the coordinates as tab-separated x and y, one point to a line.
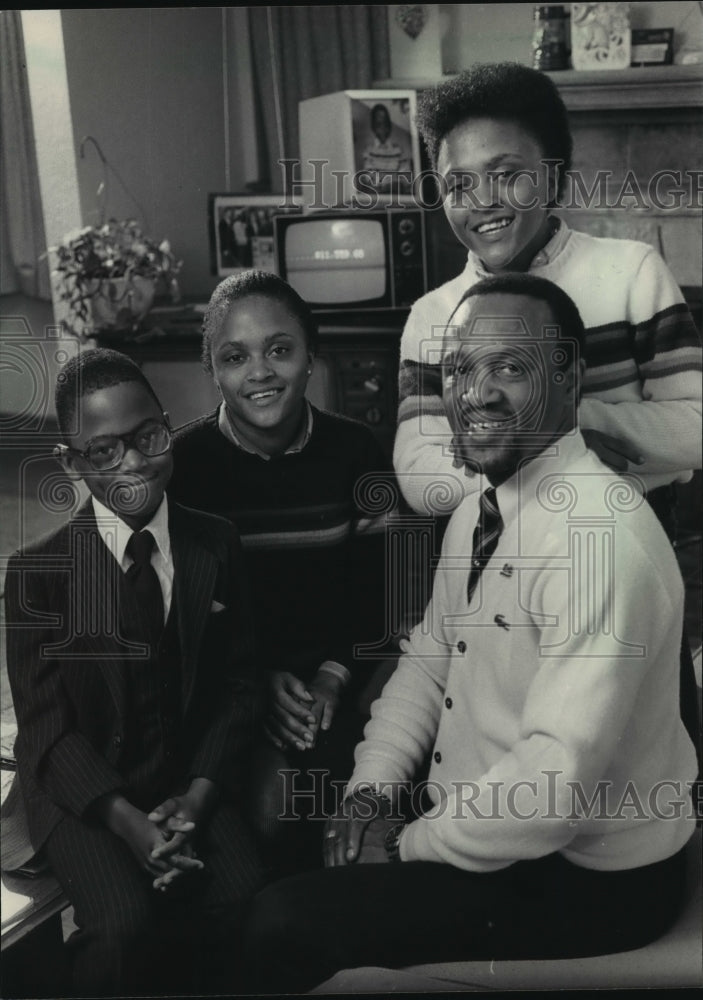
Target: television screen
329	261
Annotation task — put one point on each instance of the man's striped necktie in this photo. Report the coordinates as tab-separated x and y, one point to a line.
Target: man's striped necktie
486	535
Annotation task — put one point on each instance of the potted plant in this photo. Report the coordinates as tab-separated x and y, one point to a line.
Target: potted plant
108	276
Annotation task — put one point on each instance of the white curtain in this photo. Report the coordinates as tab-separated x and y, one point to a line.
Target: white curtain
22	240
304	51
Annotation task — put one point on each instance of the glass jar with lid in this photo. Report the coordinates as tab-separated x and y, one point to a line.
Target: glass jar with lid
549	51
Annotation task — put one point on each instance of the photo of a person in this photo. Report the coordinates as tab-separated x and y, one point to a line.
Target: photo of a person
225	232
242	232
383	144
384	153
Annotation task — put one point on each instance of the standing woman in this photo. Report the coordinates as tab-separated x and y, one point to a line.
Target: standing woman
290	476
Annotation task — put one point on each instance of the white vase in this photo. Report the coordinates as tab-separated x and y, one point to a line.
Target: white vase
120	303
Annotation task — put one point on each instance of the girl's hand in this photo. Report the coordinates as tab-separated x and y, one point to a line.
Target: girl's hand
327	689
291	720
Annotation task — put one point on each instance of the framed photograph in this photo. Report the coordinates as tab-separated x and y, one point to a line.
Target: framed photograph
241	230
359	147
386	144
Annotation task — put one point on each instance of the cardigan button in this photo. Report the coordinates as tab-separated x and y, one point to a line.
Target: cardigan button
461	646
448	702
437	757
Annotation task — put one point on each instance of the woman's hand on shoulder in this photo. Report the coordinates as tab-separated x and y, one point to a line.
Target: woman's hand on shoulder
617	454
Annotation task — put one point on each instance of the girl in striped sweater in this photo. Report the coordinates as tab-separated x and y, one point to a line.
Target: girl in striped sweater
294	480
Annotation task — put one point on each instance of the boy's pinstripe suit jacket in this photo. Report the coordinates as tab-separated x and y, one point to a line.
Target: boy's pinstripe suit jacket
68	665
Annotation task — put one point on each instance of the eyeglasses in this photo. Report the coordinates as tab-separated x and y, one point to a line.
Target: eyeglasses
104	453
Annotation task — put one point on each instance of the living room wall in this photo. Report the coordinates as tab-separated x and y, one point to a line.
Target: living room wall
150	85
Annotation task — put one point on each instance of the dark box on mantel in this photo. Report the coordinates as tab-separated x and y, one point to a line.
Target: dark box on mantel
652	47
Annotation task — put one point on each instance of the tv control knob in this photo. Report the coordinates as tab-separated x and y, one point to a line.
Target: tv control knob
406	226
407	248
373	415
373	384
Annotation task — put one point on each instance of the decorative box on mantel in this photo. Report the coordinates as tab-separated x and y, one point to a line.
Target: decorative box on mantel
600	36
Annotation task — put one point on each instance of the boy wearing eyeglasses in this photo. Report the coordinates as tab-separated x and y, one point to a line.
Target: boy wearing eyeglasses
132	671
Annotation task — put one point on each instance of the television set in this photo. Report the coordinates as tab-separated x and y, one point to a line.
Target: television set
354	259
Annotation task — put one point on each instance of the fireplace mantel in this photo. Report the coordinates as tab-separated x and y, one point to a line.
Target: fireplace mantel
608	90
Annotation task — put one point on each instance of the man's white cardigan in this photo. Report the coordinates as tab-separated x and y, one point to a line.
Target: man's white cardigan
551	704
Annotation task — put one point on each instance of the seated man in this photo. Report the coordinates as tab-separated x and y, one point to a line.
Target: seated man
542	685
130	659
